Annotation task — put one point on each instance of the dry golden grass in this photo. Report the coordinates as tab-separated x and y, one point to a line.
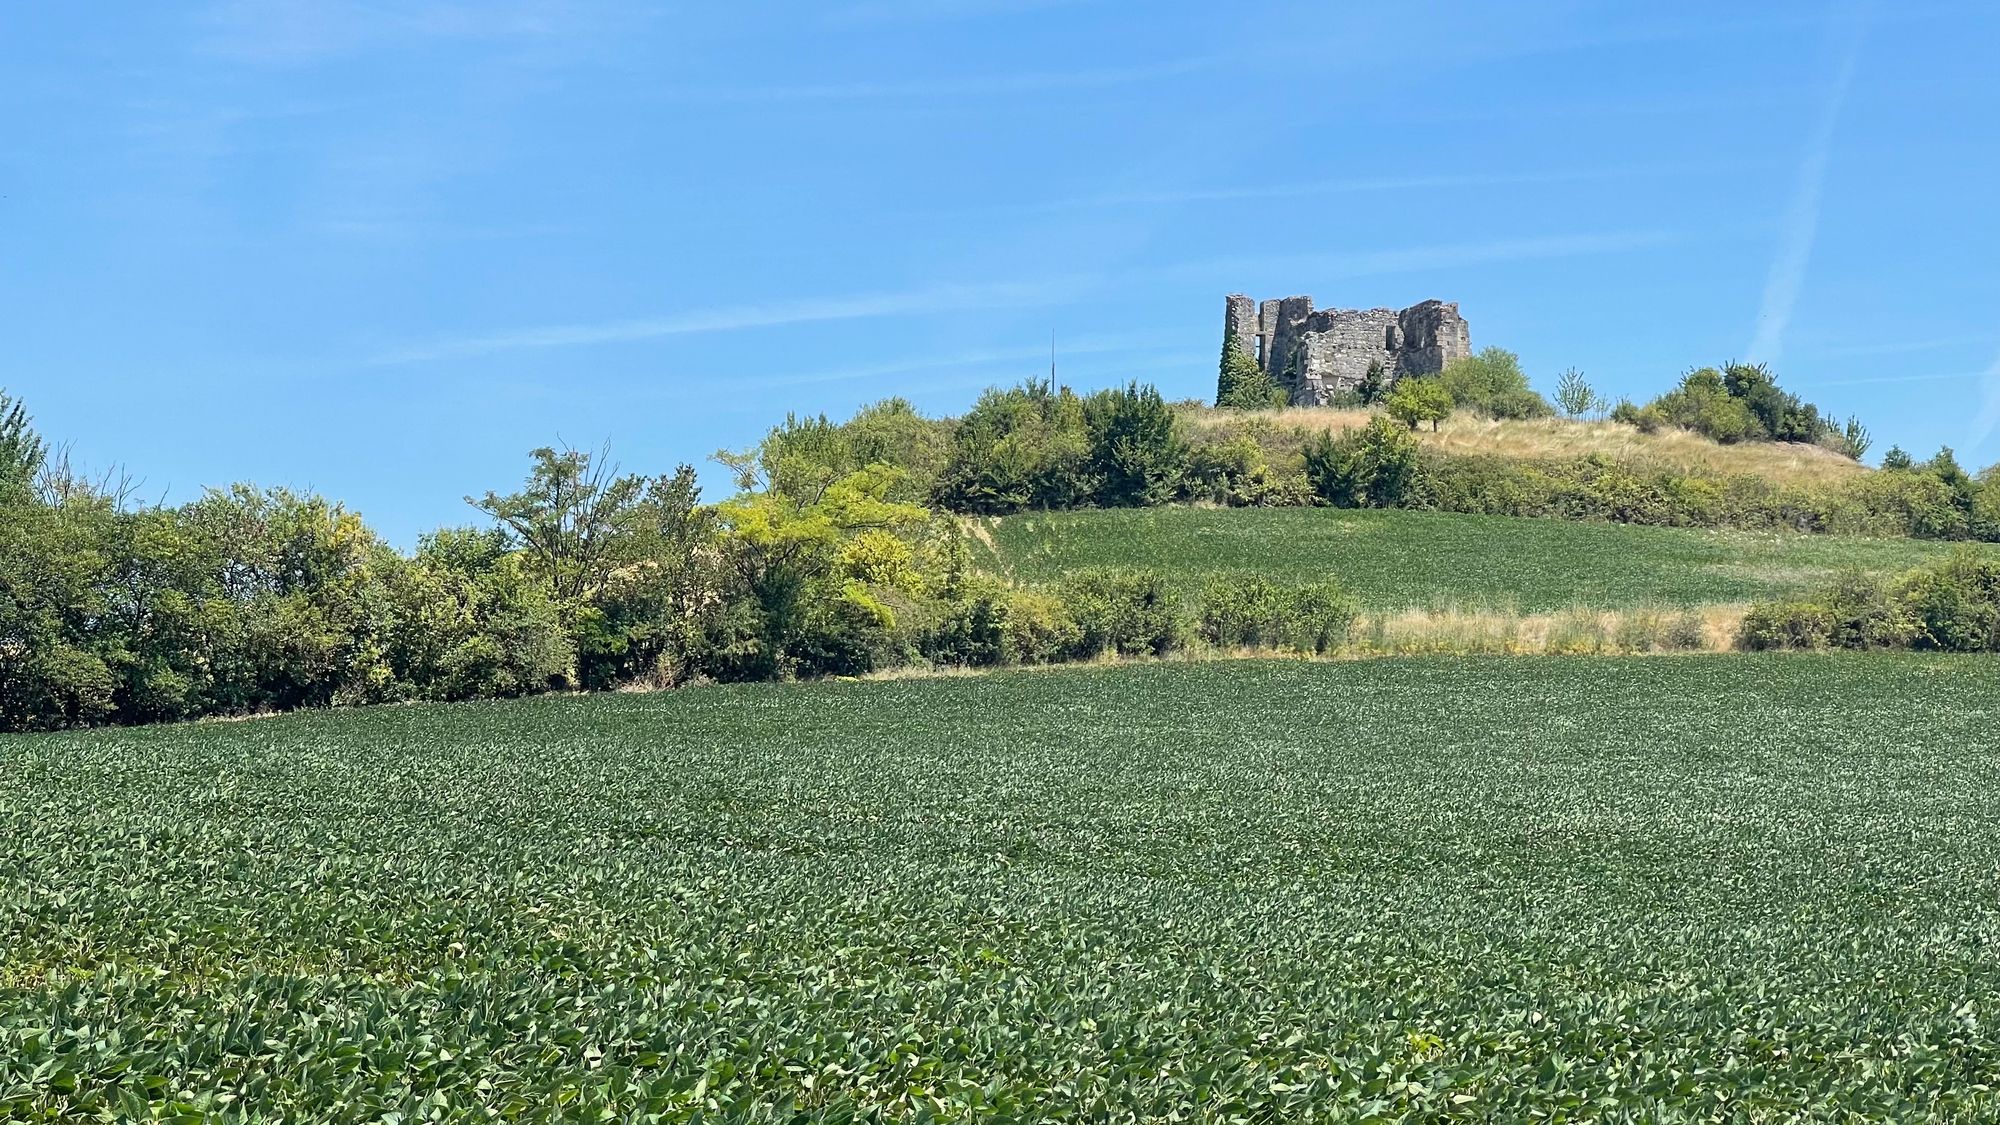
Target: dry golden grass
1569	632
1450	632
1556	438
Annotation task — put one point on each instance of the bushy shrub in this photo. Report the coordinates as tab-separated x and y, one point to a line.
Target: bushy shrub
1136	451
1785	625
1953	606
1041	446
1128	612
1250	611
1491	383
1743	402
1372	466
988	624
1956	605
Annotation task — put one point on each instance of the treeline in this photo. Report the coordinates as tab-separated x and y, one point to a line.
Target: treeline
839	554
827	563
1038	446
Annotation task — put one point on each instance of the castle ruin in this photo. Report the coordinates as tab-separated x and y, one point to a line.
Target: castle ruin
1315	355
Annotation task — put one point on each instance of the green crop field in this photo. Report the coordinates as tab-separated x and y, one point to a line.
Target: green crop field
1402	559
1679	888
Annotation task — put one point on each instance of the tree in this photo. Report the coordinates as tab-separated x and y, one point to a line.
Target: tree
1374	385
1372	466
471	623
1241	383
1137	455
1419	400
1491	383
1856	439
1897	460
569	518
1574	395
801	603
1024	447
650	619
21	449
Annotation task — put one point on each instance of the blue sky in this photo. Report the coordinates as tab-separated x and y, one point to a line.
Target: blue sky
383	249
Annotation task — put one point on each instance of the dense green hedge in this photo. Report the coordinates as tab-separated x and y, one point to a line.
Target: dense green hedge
832	559
1951	607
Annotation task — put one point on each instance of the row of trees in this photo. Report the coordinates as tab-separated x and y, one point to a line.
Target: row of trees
837	554
828	561
1732	403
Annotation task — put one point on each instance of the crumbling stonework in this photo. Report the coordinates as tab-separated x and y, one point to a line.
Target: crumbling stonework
1314	355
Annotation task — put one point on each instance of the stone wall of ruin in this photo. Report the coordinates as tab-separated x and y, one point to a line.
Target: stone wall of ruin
1315	355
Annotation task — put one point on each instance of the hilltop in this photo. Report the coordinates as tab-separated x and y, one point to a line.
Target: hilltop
1539	439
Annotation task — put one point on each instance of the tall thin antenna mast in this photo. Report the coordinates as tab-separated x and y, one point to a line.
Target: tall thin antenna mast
1052	357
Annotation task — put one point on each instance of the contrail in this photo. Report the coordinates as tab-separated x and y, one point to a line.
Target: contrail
1788	269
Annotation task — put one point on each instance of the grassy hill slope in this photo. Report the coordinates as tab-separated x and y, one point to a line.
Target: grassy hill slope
1398	559
1559	438
1408	889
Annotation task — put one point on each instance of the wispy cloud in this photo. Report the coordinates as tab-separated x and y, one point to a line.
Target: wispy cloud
1350	186
935	299
1419	259
1056	290
1027	82
1801	229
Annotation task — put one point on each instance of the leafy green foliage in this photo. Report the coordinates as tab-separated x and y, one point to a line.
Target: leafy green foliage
1127	612
1241	384
568	517
1237	472
1252	611
1038	446
1419	400
1575	396
1372	466
1950	606
472	623
1430	890
1374	384
1490	383
1136	452
1743	402
1027	447
800	577
21	449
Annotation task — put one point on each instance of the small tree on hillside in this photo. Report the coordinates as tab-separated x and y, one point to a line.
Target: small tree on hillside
1241	384
1574	395
1856	439
1374	384
1419	400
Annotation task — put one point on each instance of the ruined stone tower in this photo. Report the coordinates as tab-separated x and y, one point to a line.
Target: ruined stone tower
1313	355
